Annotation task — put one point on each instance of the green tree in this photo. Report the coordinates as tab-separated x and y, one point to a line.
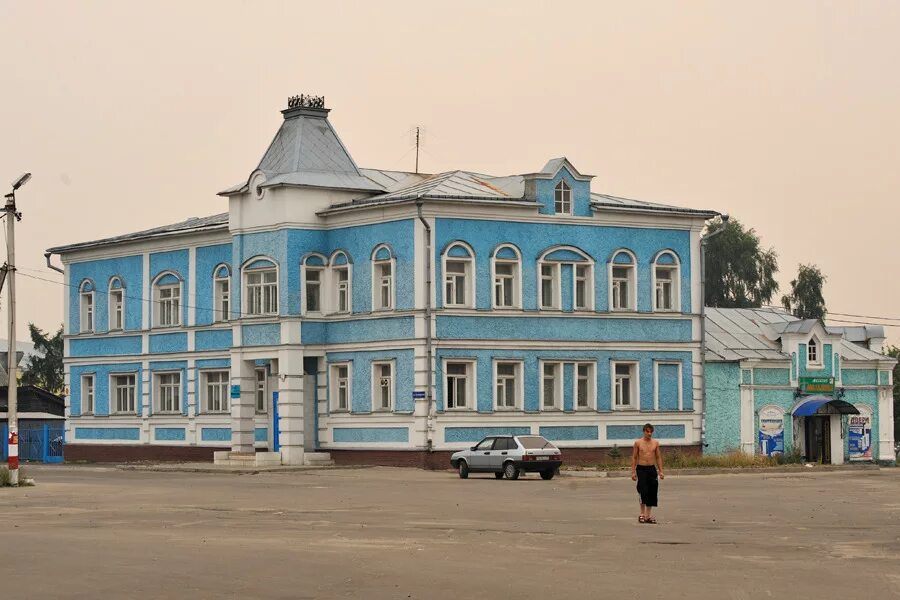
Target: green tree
805	300
894	352
739	272
44	368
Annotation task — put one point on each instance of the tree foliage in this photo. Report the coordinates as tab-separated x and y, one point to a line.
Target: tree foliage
805	300
894	352
739	272
44	368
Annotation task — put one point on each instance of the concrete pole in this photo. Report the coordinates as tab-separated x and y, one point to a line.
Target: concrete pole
13	460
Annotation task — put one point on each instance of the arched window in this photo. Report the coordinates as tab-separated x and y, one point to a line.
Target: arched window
666	282
260	287
459	275
383	268
506	266
116	297
623	281
813	354
313	274
167	300
550	266
221	293
563	198
86	291
341	282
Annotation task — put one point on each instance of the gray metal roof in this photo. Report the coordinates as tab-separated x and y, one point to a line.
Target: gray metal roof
191	225
615	202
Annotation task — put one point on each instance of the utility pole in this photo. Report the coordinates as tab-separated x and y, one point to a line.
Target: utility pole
12	364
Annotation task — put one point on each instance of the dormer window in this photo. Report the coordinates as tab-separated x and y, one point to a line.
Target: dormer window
563	198
812	352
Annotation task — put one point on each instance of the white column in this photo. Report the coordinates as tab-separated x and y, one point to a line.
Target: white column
837	440
748	433
243	409
885	433
192	286
145	294
290	406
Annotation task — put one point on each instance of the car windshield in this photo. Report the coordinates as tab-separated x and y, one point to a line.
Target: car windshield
535	442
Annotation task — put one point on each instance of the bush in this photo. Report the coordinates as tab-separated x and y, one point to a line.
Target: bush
4	477
734	459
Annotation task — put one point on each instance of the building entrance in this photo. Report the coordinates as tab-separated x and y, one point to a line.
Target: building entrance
818	439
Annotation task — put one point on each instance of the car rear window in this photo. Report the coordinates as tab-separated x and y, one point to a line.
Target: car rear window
534	442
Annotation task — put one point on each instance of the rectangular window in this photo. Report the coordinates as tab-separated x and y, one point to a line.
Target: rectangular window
223	300
551	385
169	302
382	376
87	394
168	392
116	312
261	390
549	286
385	285
458	378
123	392
582	287
665	288
625	387
215	390
621	288
87	312
507	384
455	283
313	290
584	385
262	292
342	289
505	284
340	387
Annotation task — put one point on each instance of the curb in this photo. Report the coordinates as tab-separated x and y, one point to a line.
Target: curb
235	470
731	471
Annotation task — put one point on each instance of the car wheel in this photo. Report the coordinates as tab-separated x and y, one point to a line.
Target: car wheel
498	475
463	469
510	470
547	474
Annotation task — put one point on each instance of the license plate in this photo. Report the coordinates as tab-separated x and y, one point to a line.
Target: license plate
543	458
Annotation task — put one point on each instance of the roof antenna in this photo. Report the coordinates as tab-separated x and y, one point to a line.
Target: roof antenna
417	150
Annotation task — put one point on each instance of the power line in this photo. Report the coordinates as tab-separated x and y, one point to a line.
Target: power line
840	314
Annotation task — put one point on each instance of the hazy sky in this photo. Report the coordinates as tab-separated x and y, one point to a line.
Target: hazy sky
784	114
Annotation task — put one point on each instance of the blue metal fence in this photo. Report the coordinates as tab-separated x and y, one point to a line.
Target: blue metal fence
41	442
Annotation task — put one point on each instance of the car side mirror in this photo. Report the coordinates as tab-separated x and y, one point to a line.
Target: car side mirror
473	447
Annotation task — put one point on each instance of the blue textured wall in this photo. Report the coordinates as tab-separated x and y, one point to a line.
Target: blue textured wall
534	238
860	377
101	386
581	194
212	339
357	330
129	269
668	382
106	346
475	434
772	376
169	434
164	343
129	434
361	378
723	407
531	373
264	334
371	434
177	262
633	432
563	328
215	434
570	433
208	258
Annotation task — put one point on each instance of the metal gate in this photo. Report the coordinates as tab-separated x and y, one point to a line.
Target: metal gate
40	442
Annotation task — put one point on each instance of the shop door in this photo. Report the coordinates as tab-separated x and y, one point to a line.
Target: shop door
818	439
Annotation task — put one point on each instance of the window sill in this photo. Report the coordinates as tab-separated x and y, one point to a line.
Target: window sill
167	414
173	326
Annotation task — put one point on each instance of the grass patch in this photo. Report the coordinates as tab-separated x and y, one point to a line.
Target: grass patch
4	477
673	459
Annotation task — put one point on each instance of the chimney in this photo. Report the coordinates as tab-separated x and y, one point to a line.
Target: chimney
306	106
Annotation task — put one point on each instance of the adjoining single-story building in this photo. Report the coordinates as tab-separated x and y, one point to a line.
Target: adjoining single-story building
778	384
41	418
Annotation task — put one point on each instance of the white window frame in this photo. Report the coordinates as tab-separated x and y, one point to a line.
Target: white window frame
88	391
814	343
380	281
517	377
261	390
591	383
635	387
470	387
115	314
223	387
321	284
563	205
114	388
675	272
334	386
515	278
469	276
158	392
377	386
266	308
558	378
221	295
87	308
158	301
631	282
588	287
656	365
555	284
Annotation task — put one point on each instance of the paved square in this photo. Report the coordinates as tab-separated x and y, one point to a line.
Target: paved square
88	532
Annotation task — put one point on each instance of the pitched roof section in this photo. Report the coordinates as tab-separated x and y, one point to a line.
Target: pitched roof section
615	202
191	225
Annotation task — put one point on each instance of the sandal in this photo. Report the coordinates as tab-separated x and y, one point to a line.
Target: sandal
650	520
641	519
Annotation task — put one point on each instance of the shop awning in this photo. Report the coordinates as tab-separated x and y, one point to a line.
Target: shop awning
823	405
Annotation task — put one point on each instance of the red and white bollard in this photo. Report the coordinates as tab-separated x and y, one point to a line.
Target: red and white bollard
13	458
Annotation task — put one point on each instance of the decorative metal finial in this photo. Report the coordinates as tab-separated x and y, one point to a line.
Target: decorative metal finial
306	101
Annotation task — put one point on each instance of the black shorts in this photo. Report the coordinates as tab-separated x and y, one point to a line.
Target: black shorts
647	484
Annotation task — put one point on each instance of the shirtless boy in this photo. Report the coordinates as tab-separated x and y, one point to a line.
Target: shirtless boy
644	462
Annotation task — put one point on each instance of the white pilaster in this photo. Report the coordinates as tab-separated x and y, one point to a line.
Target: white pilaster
145	294
192	286
748	431
243	409
885	449
290	406
837	440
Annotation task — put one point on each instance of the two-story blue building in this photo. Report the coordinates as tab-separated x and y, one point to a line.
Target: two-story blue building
385	316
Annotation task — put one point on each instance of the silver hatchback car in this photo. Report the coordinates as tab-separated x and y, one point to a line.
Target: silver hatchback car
509	455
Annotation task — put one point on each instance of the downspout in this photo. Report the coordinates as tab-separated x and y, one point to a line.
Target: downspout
429	350
49	266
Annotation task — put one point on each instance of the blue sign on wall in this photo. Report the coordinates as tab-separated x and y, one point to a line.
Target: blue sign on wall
235	391
418	394
771	431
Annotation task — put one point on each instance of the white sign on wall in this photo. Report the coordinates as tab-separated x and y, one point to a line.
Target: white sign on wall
771	431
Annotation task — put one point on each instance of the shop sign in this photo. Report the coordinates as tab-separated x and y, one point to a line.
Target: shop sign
859	437
817	385
771	431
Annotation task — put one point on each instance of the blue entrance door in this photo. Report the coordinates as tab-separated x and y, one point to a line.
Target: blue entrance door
276	444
